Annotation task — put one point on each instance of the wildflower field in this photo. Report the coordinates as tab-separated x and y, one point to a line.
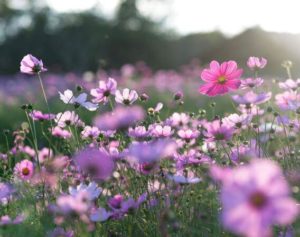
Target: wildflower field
202	151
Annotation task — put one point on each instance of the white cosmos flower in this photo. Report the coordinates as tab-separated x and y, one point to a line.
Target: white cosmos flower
92	190
68	98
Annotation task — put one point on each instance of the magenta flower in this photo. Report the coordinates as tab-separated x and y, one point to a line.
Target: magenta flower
126	97
97	164
255	63
31	65
220	79
216	131
105	89
24	170
255	197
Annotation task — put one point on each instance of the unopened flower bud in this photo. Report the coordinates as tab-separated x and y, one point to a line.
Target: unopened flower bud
178	95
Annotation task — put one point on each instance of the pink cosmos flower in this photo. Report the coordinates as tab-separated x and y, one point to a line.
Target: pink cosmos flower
250	83
255	197
289	84
24	169
188	134
138	132
220	79
178	119
255	63
105	89
31	65
216	131
288	100
158	130
237	121
90	132
126	97
59	132
38	115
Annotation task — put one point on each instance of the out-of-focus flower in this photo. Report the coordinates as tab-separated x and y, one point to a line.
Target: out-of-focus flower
289	84
97	164
250	109
100	215
144	156
67	118
250	83
255	63
106	88
6	191
38	115
6	220
237	121
288	100
126	97
24	169
62	133
81	100
255	197
178	119
92	189
216	131
121	206
138	132
31	65
220	79
119	118
182	177
158	130
45	154
188	134
90	132
252	98
60	232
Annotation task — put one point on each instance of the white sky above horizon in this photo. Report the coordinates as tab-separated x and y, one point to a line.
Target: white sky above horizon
188	16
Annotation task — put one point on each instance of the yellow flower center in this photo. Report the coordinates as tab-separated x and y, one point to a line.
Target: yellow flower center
222	79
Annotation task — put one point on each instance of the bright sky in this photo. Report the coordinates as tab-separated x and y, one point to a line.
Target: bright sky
186	16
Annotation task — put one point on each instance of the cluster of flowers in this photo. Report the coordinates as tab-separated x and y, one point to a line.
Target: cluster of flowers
130	162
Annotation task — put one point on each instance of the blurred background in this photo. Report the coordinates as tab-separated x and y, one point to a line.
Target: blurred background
82	35
153	46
